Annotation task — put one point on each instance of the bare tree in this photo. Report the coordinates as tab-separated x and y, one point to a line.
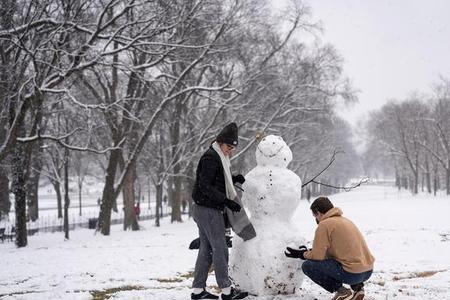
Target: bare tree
412	135
440	123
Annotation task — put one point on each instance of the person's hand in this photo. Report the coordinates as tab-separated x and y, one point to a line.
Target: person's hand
239	178
293	253
234	206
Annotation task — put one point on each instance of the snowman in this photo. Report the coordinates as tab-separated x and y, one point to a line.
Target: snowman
271	196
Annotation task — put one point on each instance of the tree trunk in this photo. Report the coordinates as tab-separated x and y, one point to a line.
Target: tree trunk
435	183
416	178
18	172
397	179
176	200
80	189
104	219
32	189
314	189
447	180
139	197
190	188
34	165
175	186
170	191
428	175
57	187
5	204
422	182
438	182
158	208
149	193
66	194
130	219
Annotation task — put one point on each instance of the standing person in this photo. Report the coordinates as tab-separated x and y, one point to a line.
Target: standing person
213	192
137	209
339	254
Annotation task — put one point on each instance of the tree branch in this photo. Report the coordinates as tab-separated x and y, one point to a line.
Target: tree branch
333	158
346	188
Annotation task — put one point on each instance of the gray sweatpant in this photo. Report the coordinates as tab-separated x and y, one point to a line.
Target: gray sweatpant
213	247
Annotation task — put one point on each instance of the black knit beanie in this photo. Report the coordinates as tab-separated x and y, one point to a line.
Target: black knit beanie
229	135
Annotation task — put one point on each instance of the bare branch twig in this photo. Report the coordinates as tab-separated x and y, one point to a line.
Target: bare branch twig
345	188
333	158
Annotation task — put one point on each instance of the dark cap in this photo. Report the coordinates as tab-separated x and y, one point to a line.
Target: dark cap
229	135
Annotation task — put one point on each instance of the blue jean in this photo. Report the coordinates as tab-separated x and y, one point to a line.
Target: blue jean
330	275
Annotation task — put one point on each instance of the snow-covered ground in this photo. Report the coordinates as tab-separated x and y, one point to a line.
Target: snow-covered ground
409	236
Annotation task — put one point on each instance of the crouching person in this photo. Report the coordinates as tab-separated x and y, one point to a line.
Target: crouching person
339	254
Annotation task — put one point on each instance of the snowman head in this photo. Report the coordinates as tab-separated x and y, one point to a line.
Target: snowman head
273	151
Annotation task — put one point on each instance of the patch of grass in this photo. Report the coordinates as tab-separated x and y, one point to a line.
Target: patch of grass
179	278
428	273
417	275
20	293
445	237
169	280
188	275
108	293
380	283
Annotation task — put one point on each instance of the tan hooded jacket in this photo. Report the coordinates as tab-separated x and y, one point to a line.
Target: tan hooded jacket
338	238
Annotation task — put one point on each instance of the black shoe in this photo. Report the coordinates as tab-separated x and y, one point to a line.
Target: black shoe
203	295
235	294
357	287
359	295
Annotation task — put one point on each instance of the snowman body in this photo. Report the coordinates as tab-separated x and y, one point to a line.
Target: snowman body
271	196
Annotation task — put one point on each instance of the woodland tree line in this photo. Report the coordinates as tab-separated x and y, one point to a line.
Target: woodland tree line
410	139
133	91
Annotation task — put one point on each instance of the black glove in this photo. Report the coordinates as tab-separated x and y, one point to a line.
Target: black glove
234	206
296	253
195	244
229	241
239	178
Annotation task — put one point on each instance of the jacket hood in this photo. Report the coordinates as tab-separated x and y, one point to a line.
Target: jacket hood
334	212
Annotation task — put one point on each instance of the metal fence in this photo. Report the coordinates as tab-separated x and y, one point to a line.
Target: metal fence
89	220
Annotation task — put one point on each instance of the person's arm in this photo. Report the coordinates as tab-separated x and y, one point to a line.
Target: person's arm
207	175
321	244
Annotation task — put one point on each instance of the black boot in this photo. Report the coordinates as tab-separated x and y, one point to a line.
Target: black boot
235	294
203	295
357	287
358	290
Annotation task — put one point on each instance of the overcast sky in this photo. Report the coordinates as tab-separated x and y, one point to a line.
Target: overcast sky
390	48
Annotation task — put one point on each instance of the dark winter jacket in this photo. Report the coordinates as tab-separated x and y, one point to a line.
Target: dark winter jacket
209	189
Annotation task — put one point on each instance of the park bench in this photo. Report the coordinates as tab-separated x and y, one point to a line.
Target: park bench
2	233
32	231
9	235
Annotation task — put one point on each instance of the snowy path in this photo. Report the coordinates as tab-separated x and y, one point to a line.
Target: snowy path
409	236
